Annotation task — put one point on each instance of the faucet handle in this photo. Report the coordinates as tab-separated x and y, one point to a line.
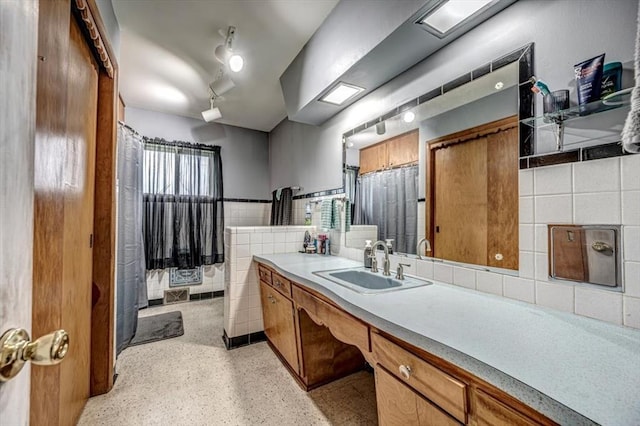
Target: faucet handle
374	263
400	271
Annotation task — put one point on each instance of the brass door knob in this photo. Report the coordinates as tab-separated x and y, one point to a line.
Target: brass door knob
16	348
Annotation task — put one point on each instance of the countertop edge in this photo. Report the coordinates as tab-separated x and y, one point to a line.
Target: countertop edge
524	393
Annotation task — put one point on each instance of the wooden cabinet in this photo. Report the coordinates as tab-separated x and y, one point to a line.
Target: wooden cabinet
319	342
444	390
399	405
277	313
394	152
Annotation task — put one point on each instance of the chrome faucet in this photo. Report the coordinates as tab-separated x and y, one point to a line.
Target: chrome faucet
374	260
427	247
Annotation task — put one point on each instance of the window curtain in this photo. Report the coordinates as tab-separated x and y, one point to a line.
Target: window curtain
351	189
389	199
131	287
183	205
281	206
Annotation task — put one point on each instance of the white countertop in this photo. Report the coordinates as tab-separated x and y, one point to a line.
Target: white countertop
573	369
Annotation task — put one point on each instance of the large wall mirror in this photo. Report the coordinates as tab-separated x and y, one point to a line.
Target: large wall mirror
467	128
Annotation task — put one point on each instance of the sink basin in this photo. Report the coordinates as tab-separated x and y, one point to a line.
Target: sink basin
362	280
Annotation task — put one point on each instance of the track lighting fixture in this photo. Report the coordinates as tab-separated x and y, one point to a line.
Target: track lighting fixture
212	113
224	52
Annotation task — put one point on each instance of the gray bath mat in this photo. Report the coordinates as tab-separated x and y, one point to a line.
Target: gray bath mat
158	327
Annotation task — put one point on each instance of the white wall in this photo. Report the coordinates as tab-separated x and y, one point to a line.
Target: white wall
245	153
564	33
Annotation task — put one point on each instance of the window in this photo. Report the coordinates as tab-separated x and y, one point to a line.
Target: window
183	205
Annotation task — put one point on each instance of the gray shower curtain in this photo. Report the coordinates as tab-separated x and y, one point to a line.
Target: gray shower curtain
131	284
389	199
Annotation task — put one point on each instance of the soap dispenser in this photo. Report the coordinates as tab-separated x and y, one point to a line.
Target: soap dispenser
367	253
389	245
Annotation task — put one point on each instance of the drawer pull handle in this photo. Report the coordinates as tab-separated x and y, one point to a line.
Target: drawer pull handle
271	298
405	371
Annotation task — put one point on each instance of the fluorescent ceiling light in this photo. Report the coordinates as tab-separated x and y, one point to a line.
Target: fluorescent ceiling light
452	13
341	93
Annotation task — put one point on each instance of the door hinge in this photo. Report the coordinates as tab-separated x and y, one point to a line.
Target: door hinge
91	241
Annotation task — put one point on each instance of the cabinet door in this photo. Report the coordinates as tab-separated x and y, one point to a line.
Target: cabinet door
279	324
403	149
400	405
373	158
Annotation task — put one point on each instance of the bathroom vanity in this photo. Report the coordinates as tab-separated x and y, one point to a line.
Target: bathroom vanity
444	355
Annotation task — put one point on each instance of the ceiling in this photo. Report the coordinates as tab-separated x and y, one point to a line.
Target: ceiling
166	58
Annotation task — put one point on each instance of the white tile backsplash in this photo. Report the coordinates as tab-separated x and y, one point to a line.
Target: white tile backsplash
630	168
556	296
599	304
597	176
464	277
553	209
442	272
526	237
526	210
631	311
527	264
519	289
489	282
597	208
553	180
631	207
632	243
632	279
424	268
526	182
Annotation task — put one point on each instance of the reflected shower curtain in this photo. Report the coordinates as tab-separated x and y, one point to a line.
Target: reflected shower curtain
131	285
351	191
389	199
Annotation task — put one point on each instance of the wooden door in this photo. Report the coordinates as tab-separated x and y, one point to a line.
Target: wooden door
63	225
460	202
399	405
279	324
18	44
403	149
502	199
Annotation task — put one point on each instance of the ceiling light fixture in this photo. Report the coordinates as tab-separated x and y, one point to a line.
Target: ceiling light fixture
450	14
221	85
224	52
409	116
381	128
212	113
340	93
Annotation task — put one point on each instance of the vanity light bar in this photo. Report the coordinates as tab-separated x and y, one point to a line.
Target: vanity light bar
340	93
450	14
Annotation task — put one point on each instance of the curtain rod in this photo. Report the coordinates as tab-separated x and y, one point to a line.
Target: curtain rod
164	142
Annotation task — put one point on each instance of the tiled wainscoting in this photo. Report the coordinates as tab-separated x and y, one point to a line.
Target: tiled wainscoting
246	214
212	281
603	191
359	234
242	307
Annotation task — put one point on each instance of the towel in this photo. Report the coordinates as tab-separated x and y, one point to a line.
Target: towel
335	214
347	215
631	131
326	214
278	193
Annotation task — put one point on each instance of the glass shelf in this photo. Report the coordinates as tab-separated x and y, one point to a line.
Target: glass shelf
575	112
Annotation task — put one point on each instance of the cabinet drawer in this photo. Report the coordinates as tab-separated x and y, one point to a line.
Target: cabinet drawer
436	385
281	284
343	326
264	274
488	411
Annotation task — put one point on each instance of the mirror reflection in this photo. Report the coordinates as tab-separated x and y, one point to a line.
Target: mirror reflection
387	172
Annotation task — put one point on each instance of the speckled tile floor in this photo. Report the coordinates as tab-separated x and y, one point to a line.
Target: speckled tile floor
194	380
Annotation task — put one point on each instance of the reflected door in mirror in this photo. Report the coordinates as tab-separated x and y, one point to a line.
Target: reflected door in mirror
474	195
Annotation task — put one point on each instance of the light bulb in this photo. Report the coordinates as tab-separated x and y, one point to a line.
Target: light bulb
236	63
409	116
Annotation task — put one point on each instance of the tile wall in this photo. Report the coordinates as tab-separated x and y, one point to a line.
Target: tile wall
603	191
242	308
359	234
